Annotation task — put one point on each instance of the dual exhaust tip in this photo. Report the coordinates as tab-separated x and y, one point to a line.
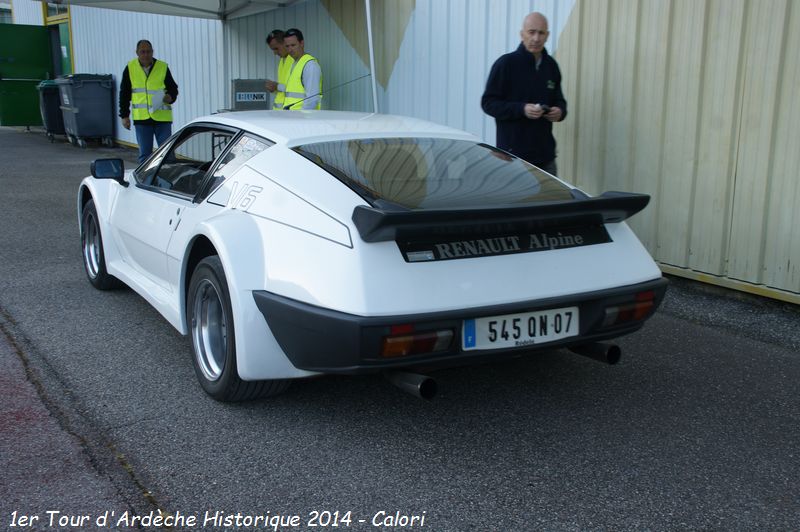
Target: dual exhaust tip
425	387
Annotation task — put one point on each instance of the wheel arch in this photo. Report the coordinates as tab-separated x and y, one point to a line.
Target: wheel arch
102	192
237	239
84	196
232	238
199	248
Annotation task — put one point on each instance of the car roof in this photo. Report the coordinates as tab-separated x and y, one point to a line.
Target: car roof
295	128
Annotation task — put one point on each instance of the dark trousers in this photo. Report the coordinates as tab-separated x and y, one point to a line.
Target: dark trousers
144	137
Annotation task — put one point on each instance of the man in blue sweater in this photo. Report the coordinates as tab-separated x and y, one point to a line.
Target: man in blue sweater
523	94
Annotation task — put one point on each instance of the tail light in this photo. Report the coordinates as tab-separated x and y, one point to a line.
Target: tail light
634	311
403	341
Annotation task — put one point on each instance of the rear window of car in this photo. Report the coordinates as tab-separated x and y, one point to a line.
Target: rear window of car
430	173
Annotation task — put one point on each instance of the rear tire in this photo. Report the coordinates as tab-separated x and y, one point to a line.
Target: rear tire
94	259
210	318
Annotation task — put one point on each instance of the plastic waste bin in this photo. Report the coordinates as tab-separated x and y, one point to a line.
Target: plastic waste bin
50	108
87	105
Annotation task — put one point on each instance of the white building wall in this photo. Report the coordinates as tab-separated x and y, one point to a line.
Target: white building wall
448	50
27	12
251	59
104	40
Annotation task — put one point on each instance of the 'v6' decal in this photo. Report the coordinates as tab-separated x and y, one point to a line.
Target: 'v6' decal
243	195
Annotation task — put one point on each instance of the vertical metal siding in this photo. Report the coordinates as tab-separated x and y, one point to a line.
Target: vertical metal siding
765	37
684	66
105	40
432	82
782	249
648	108
719	123
693	102
448	50
454	64
590	99
444	58
475	64
618	123
250	58
27	12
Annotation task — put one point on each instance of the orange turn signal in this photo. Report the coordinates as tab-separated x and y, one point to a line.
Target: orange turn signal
415	344
626	312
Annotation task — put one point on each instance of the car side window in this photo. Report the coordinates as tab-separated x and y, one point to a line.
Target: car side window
243	150
184	167
144	174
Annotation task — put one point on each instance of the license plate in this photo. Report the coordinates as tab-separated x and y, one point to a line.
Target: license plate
517	330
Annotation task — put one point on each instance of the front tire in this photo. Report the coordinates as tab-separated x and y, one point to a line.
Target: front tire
210	318
94	259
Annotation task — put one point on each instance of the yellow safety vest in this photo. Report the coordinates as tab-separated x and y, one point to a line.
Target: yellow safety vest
284	67
147	92
295	91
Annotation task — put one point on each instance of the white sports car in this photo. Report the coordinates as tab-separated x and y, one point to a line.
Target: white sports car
292	244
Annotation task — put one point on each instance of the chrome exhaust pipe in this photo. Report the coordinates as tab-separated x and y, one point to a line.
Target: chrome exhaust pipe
417	385
606	353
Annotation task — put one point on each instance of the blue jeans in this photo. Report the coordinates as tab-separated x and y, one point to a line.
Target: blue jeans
144	137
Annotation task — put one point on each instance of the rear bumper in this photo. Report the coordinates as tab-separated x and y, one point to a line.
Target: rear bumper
327	341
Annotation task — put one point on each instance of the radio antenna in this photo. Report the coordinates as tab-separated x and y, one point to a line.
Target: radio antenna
287	108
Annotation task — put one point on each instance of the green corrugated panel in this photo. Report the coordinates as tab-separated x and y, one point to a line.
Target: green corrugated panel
25	60
19	103
25	52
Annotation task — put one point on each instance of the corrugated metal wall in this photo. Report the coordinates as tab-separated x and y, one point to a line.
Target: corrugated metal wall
695	103
105	40
447	48
767	245
251	59
27	12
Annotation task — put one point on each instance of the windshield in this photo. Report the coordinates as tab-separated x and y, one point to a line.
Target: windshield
427	173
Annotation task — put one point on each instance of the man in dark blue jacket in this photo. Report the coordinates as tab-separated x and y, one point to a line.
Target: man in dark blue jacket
523	94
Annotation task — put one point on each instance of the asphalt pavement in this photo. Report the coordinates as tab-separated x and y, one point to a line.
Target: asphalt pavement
103	425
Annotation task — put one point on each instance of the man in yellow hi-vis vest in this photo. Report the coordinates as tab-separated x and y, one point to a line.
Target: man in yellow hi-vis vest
278	88
304	86
147	86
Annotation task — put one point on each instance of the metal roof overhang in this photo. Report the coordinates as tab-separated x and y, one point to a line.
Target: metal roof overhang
210	9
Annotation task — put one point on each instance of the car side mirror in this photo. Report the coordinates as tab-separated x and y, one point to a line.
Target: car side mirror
109	169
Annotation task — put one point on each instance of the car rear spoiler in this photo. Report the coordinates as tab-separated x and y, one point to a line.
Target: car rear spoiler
376	224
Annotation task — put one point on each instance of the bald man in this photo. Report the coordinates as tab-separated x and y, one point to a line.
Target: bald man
523	94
